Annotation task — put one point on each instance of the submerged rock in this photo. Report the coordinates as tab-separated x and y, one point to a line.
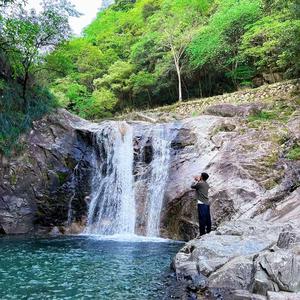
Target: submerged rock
55	231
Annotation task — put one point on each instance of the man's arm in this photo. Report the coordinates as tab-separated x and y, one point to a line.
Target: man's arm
197	184
194	185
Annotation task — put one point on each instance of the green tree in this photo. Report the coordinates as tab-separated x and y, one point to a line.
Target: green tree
143	82
28	34
273	42
117	80
176	24
218	42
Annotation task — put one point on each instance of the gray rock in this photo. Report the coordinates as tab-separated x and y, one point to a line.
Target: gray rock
55	231
279	270
245	255
285	209
294	125
212	251
230	110
245	295
288	239
199	283
236	274
283	296
16	215
36	184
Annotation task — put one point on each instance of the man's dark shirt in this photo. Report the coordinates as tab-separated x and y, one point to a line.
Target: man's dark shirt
201	188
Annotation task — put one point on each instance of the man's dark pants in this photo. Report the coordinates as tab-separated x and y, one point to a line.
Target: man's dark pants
204	218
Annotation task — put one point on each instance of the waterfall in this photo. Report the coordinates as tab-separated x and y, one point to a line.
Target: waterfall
120	161
161	140
112	206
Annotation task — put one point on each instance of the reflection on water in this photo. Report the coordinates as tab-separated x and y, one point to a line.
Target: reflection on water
84	268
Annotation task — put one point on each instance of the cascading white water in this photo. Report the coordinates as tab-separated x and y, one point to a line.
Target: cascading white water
112	206
112	209
161	142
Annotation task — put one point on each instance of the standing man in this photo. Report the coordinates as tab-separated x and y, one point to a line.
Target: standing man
202	187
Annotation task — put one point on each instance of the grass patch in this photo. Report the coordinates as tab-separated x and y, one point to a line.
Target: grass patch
294	153
263	116
281	111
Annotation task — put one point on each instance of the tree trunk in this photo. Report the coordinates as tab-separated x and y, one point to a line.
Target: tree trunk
179	82
149	98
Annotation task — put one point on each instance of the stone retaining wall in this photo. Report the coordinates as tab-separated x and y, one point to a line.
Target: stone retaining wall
284	89
261	94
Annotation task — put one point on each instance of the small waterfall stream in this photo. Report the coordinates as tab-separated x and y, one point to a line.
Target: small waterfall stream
112	206
159	174
112	209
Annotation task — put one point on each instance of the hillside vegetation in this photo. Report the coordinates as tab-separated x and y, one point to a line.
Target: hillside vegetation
147	53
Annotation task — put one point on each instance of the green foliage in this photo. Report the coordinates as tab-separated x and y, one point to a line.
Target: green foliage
136	52
263	116
24	38
217	43
273	43
294	153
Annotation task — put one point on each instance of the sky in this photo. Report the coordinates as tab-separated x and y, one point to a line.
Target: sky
88	8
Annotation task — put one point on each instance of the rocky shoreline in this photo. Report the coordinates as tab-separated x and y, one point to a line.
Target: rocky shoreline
249	259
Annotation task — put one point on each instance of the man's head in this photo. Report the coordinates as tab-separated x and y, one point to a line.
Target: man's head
204	176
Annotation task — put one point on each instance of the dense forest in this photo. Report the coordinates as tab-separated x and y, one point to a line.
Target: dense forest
138	54
151	52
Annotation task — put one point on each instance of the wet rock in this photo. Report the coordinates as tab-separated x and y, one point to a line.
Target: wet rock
75	227
55	231
37	184
199	283
16	215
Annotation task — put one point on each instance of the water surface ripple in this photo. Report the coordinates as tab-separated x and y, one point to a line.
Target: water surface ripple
83	268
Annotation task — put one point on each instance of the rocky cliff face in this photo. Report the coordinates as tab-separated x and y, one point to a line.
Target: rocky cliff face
249	151
36	185
252	174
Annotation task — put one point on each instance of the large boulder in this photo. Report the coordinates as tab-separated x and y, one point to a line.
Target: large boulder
236	274
255	257
278	271
230	110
